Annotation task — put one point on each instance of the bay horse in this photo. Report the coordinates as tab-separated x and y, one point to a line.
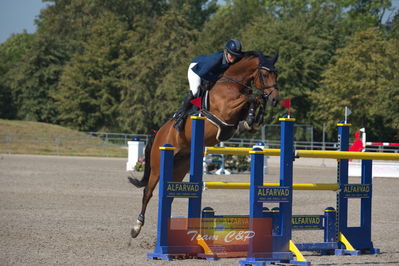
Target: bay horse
230	101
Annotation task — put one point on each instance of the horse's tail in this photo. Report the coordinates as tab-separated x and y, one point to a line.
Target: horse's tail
147	166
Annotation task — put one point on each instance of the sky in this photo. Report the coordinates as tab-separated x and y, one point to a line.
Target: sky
19	15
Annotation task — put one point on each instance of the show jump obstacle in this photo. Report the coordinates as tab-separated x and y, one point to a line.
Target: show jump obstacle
339	238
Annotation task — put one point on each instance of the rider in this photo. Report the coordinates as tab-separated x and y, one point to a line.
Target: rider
207	68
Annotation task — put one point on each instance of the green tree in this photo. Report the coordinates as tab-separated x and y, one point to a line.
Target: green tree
385	107
196	12
34	77
364	78
392	27
152	96
69	20
90	87
63	32
306	42
11	52
122	64
361	14
226	24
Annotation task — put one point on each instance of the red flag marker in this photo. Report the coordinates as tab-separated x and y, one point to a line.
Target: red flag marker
197	102
287	104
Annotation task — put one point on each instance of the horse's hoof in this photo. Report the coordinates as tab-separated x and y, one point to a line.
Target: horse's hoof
247	126
136	229
255	127
134	233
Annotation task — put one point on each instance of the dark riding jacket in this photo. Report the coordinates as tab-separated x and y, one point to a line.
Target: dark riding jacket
210	67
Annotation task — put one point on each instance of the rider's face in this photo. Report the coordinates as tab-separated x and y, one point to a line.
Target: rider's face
230	58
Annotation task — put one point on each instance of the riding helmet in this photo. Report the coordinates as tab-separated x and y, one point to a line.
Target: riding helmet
234	47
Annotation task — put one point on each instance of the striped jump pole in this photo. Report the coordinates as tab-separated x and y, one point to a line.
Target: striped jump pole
238	151
346	155
295	186
308	153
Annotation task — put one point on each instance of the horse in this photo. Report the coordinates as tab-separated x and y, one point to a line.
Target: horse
230	101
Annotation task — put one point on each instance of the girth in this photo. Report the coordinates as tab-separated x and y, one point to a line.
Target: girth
225	131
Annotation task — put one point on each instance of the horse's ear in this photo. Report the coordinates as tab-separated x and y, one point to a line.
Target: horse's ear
275	57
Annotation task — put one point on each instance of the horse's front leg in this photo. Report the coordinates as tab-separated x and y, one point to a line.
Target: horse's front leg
259	117
249	121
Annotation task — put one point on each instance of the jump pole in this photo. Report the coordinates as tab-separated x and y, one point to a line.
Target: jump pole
295	186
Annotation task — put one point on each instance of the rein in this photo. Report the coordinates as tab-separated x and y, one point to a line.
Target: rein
230	79
265	96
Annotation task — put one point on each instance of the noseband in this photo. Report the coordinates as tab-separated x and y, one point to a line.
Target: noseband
260	76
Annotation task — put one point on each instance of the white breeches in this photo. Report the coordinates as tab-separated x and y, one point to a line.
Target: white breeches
193	79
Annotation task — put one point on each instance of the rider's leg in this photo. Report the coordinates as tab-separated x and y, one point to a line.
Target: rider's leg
195	82
186	103
193	79
180	115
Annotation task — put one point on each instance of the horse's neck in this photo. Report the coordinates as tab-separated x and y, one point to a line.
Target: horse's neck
227	100
242	71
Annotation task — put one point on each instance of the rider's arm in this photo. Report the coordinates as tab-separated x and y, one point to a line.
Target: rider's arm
205	65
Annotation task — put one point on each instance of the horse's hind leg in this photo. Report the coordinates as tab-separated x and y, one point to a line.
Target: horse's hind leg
181	167
147	195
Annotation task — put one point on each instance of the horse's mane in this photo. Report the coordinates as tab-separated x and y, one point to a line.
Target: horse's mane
251	54
264	61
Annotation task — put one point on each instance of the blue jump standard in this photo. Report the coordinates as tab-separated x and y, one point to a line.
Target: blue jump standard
162	249
339	239
281	239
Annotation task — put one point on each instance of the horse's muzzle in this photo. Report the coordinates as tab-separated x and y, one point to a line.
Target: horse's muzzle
271	96
274	102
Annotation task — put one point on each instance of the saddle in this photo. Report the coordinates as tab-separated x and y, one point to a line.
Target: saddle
225	130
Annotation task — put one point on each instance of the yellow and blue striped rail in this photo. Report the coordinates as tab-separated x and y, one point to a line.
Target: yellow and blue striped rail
307	153
295	186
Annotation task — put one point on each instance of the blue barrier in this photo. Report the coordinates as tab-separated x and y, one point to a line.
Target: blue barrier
339	238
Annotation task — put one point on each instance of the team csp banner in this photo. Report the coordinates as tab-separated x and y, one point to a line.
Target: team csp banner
221	237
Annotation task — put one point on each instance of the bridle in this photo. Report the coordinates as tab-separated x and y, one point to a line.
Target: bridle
257	104
260	76
265	96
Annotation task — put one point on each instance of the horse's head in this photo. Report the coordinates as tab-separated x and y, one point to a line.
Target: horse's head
265	78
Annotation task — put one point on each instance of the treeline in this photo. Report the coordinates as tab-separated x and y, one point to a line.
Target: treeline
121	65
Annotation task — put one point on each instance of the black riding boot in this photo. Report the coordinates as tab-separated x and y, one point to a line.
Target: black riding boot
180	116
